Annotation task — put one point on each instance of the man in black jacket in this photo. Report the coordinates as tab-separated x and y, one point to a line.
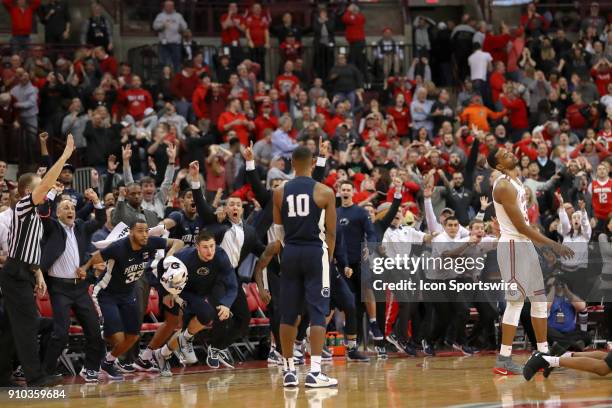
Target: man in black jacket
64	248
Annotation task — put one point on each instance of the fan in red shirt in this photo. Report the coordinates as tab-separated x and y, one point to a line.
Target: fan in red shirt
601	74
497	45
409	191
291	49
185	83
257	27
278	105
265	120
106	62
402	85
497	81
286	82
517	111
200	105
574	113
354	21
401	116
601	189
373	130
21	16
135	100
234	119
232	26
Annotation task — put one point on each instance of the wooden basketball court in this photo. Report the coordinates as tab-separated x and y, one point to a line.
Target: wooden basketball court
397	382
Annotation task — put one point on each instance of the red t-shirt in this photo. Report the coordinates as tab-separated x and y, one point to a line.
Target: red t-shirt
242	132
575	118
354	24
602	79
200	107
136	101
257	27
262	123
286	83
401	119
231	34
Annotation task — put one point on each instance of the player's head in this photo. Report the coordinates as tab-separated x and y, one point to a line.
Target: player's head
477	228
134	194
66	212
451	226
26	184
205	245
346	190
302	160
502	159
234	210
139	232
187	202
603	170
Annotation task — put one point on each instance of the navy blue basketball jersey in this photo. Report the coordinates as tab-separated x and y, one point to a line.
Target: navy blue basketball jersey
303	220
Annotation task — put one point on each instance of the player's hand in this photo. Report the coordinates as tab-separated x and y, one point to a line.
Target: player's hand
224	312
169	301
247	153
81	273
348	272
58	187
43	137
264	295
563	251
69	149
41	286
323	147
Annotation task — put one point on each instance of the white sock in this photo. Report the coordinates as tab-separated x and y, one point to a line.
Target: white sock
110	357
372	320
567	354
352	344
165	351
543	347
553	361
315	364
291	364
147	354
285	364
505	351
187	335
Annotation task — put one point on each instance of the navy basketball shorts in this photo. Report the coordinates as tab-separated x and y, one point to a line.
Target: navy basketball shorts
120	312
304	278
200	306
174	310
341	295
608	360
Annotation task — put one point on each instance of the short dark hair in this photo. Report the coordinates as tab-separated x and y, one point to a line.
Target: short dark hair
137	221
475	221
450	218
204	235
234	141
147	180
346	182
24	182
301	154
492	159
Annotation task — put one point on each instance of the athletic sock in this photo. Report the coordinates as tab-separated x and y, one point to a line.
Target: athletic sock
285	364
110	358
553	361
291	364
372	320
505	351
315	364
147	354
543	347
187	335
352	344
567	354
165	351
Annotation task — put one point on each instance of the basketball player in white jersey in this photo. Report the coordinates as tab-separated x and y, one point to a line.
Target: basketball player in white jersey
518	259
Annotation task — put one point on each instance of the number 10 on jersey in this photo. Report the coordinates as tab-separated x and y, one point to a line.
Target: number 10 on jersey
298	205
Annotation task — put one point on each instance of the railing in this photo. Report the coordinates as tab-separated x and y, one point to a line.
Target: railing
145	61
50	50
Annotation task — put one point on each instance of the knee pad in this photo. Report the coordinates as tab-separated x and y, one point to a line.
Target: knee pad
539	310
512	315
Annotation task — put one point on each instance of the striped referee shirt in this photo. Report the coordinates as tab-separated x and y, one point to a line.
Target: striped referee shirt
25	232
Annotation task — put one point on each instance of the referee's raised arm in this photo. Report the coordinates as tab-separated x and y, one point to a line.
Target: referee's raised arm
40	192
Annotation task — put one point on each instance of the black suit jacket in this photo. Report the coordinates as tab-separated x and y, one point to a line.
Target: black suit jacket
53	242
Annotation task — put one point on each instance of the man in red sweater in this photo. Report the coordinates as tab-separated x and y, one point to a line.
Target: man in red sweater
232	26
182	87
286	82
201	107
258	36
135	100
575	114
21	21
497	81
601	74
265	120
354	21
517	111
106	62
234	119
497	45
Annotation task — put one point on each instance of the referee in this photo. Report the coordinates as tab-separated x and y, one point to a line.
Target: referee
17	279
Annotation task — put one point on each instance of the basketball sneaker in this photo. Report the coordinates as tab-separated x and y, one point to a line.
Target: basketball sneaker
326	354
111	371
90	376
381	352
274	357
375	332
290	379
505	366
212	358
319	380
353	354
186	347
535	363
556	350
162	363
125	368
428	348
145	365
465	349
18	374
402	345
225	358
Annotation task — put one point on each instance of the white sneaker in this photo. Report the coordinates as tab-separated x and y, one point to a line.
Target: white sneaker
186	347
162	363
319	380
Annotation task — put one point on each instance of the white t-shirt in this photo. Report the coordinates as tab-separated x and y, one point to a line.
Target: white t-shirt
479	62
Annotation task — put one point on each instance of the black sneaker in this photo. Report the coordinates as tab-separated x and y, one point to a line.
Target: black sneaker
46	381
428	349
18	374
556	350
109	368
535	363
375	332
145	365
90	376
225	358
126	368
353	354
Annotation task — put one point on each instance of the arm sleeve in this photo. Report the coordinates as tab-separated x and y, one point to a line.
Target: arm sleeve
585	227
128	178
205	210
386	221
92	226
369	230
262	195
162	194
230	282
432	223
564	223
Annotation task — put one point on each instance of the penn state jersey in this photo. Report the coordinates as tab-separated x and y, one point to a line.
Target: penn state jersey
506	226
124	265
185	229
303	220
